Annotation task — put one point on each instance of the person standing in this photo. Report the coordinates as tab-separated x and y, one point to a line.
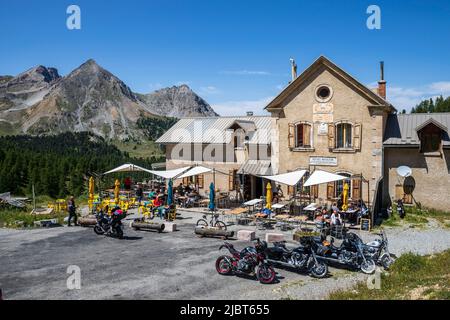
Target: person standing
71	208
139	193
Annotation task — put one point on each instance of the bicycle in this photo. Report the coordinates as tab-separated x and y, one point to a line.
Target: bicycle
215	222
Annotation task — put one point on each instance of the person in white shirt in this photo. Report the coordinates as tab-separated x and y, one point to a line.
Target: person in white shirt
336	218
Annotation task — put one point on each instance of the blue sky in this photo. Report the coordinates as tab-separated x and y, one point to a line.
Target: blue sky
235	54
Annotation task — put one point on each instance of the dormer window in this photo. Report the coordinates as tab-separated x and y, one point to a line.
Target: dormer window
430	139
430	134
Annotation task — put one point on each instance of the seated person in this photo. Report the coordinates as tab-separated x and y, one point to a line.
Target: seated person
336	218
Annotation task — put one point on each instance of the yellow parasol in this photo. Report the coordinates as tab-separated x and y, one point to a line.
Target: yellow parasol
91	192
116	191
345	197
269	196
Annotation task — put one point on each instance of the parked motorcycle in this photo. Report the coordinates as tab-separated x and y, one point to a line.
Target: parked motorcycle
401	208
250	261
110	225
302	258
378	251
350	253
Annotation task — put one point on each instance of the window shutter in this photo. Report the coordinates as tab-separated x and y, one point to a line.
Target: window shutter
330	190
306	135
314	191
290	190
356	189
331	130
357	136
291	136
186	181
231	180
200	179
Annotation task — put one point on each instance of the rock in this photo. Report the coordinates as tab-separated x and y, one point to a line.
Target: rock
246	235
170	227
274	237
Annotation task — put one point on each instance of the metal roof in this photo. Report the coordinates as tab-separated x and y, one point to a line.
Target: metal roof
215	130
401	129
256	167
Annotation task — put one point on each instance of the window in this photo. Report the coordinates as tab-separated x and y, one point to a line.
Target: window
335	189
430	139
344	135
323	93
303	135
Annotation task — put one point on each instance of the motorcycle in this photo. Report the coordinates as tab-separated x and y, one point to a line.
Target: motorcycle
250	261
378	251
350	253
111	226
302	258
400	209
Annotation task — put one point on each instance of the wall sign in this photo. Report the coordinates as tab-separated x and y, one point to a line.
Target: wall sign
322	129
323	112
323	161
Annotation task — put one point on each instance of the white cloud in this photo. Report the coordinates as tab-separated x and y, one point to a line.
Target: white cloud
237	108
406	98
246	73
209	90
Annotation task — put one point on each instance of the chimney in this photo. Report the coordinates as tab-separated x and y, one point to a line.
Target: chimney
293	69
382	83
249	113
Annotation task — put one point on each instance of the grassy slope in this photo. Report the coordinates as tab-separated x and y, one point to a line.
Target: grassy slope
144	149
418	217
411	277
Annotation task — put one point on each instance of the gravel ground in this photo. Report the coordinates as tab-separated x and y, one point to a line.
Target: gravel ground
148	265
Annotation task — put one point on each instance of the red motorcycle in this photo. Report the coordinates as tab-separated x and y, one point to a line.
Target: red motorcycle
250	261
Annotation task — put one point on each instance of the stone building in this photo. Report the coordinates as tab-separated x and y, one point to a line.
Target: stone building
324	119
421	142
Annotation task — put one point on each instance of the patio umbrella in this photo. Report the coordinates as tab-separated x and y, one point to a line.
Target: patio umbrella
269	196
91	191
345	197
116	191
212	195
170	193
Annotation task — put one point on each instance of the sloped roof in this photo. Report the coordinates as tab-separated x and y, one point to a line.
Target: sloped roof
323	61
215	130
401	129
256	167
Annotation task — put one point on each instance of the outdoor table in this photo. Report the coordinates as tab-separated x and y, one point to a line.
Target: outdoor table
252	203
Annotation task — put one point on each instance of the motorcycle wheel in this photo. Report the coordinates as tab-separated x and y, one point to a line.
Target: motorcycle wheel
368	267
223	266
319	269
220	225
386	261
265	274
98	230
202	223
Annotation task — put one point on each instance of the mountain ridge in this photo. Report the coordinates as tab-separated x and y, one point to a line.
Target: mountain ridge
89	98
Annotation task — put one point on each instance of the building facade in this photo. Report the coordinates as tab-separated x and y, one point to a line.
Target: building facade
324	119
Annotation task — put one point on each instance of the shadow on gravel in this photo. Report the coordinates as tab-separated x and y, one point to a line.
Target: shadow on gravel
131	238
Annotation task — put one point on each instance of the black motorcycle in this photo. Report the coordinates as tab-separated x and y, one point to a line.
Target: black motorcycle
401	209
250	261
110	225
302	258
350	253
378	251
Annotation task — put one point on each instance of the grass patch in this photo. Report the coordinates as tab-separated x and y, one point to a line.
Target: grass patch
411	277
417	217
10	218
144	149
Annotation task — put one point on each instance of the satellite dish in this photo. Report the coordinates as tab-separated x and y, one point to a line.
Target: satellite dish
404	171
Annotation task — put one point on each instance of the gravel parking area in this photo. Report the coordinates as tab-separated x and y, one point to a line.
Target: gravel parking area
148	265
